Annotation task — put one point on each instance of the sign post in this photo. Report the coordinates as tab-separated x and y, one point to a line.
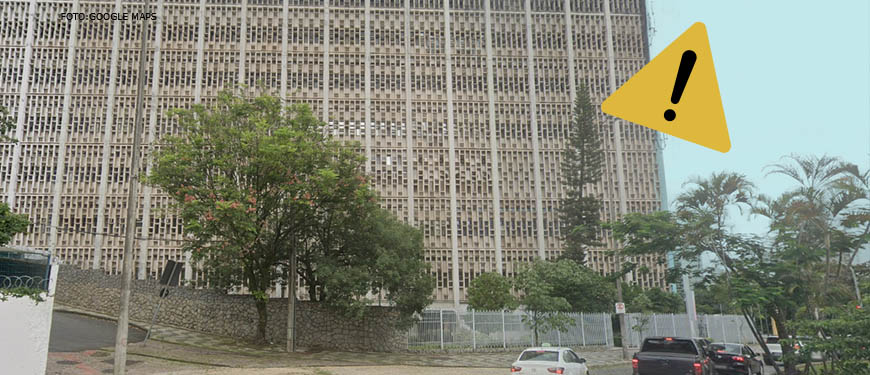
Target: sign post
170	276
620	308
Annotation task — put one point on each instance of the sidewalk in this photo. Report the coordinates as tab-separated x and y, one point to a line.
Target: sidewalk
203	351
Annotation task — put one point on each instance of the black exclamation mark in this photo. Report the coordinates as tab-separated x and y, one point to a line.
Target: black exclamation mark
687	62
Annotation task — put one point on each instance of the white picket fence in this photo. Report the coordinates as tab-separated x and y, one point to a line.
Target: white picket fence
464	330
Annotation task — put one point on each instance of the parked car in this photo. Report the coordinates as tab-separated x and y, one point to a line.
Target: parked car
549	360
775	352
731	359
798	344
672	356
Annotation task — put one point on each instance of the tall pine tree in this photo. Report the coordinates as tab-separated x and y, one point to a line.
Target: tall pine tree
582	165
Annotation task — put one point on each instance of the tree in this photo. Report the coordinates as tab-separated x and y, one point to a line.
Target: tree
550	289
376	254
491	292
7	125
584	289
544	309
845	342
245	177
11	224
712	297
651	301
582	165
824	194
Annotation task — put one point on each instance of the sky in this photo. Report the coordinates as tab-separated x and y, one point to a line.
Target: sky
794	76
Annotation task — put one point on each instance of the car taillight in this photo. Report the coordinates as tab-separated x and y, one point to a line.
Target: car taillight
634	363
556	370
516	369
698	369
738	358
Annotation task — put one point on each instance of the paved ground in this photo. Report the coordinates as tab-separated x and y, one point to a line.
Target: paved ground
75	333
383	370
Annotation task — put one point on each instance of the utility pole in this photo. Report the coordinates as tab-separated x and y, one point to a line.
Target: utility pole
620	173
132	207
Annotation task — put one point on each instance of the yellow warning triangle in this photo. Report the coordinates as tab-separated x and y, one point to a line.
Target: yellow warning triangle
651	98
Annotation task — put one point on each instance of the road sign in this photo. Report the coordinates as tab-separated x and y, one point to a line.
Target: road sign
620	308
677	93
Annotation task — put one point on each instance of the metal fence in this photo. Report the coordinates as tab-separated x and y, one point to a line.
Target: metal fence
719	328
23	267
450	329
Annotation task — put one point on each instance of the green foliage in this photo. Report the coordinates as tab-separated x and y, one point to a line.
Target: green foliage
34	294
584	289
7	125
653	233
651	301
815	231
582	165
550	289
545	310
846	341
11	224
242	174
491	292
254	181
711	297
380	253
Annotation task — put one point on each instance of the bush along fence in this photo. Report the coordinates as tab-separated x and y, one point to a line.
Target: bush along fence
488	330
718	328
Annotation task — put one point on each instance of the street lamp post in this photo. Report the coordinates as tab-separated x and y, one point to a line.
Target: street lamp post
132	208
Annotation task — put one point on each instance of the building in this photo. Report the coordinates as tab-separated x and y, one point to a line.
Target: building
462	107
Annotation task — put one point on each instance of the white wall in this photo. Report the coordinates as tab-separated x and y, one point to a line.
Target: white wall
25	327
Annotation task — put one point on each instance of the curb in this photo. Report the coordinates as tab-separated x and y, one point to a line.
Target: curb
609	364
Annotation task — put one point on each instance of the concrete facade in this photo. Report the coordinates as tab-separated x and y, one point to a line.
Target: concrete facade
461	106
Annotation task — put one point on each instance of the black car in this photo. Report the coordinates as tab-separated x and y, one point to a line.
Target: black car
672	356
735	359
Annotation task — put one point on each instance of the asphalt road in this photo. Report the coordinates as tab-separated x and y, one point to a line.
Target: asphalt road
75	333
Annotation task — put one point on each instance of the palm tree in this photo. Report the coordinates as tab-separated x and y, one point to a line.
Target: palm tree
824	194
708	203
859	183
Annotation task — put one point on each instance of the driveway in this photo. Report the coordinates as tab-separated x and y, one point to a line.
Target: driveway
75	333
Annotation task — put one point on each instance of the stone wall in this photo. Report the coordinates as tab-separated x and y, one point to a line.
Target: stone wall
212	311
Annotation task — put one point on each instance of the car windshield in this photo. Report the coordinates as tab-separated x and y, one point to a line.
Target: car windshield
540	355
726	348
669	346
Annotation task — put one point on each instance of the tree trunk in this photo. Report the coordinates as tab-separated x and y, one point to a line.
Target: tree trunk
767	356
787	350
536	335
291	303
261	320
827	263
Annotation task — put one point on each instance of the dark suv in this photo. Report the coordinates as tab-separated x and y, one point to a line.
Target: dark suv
672	356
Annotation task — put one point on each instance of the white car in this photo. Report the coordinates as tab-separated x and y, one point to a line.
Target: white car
549	360
775	352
